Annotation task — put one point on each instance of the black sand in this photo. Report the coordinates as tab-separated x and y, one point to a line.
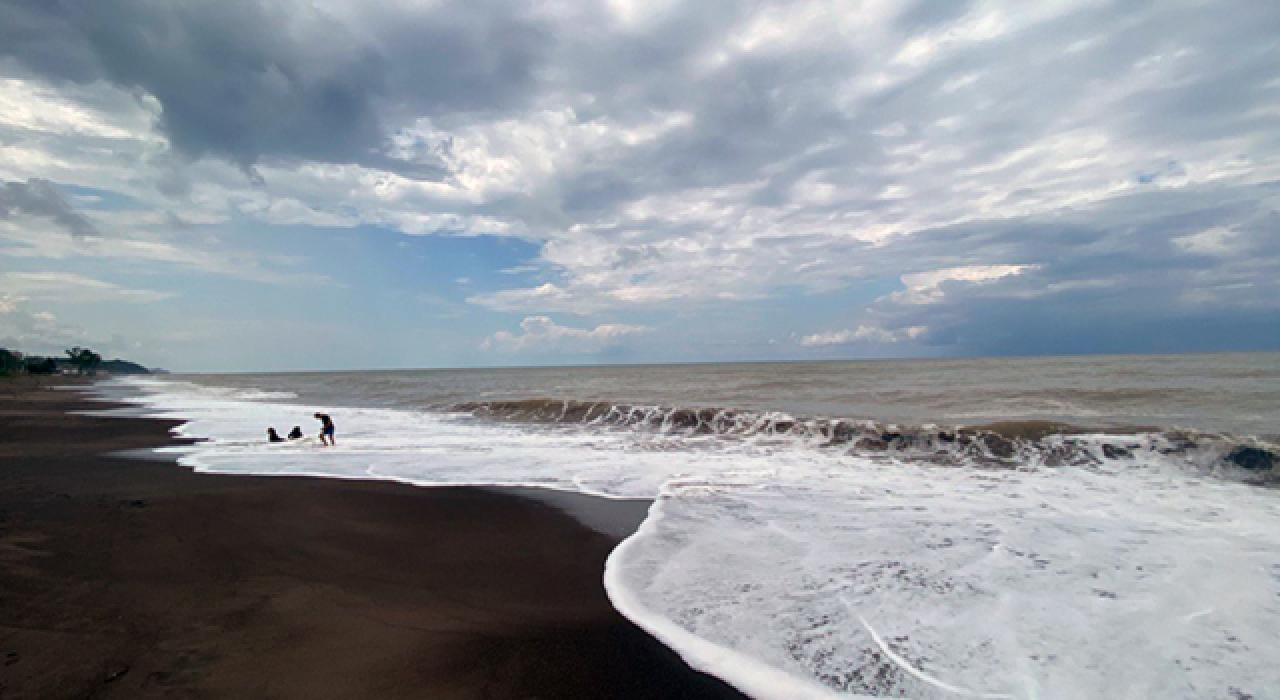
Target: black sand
129	578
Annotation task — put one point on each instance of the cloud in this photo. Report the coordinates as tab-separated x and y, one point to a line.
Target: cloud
930	286
248	80
1147	284
1215	241
684	156
800	173
872	334
545	296
65	287
37	331
541	334
126	235
41	198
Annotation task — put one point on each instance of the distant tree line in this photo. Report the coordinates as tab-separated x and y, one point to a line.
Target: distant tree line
78	360
84	360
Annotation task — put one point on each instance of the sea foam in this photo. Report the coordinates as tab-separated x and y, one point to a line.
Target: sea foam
800	573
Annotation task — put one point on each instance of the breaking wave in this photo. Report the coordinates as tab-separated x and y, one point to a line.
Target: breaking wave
1008	444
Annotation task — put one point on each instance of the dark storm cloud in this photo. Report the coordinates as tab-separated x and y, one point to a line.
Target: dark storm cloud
1195	276
42	198
250	79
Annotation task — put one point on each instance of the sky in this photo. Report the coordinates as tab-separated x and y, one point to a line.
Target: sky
332	184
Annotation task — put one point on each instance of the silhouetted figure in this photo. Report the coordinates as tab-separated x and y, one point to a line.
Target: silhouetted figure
273	436
326	429
296	433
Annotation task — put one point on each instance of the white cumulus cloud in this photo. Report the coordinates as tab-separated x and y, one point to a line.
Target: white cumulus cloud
927	287
863	333
540	333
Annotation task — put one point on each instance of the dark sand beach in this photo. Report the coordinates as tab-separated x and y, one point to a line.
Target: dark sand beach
136	578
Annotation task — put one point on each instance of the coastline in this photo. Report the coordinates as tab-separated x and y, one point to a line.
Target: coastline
126	577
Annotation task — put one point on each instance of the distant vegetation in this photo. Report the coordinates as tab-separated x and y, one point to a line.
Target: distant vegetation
84	360
78	361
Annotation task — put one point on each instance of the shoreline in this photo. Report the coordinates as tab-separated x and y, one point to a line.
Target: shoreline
128	577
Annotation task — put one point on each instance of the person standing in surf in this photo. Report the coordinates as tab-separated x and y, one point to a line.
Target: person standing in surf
326	429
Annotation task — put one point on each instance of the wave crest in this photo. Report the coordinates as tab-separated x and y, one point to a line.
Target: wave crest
1010	444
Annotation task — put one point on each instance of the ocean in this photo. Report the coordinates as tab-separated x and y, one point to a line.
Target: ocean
1083	527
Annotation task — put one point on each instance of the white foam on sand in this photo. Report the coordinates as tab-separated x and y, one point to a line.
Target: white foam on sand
796	573
892	579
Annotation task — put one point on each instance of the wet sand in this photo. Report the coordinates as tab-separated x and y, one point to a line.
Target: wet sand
136	578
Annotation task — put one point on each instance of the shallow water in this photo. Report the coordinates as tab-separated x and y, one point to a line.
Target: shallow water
794	565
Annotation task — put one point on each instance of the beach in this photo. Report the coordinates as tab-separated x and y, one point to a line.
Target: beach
133	577
821	530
